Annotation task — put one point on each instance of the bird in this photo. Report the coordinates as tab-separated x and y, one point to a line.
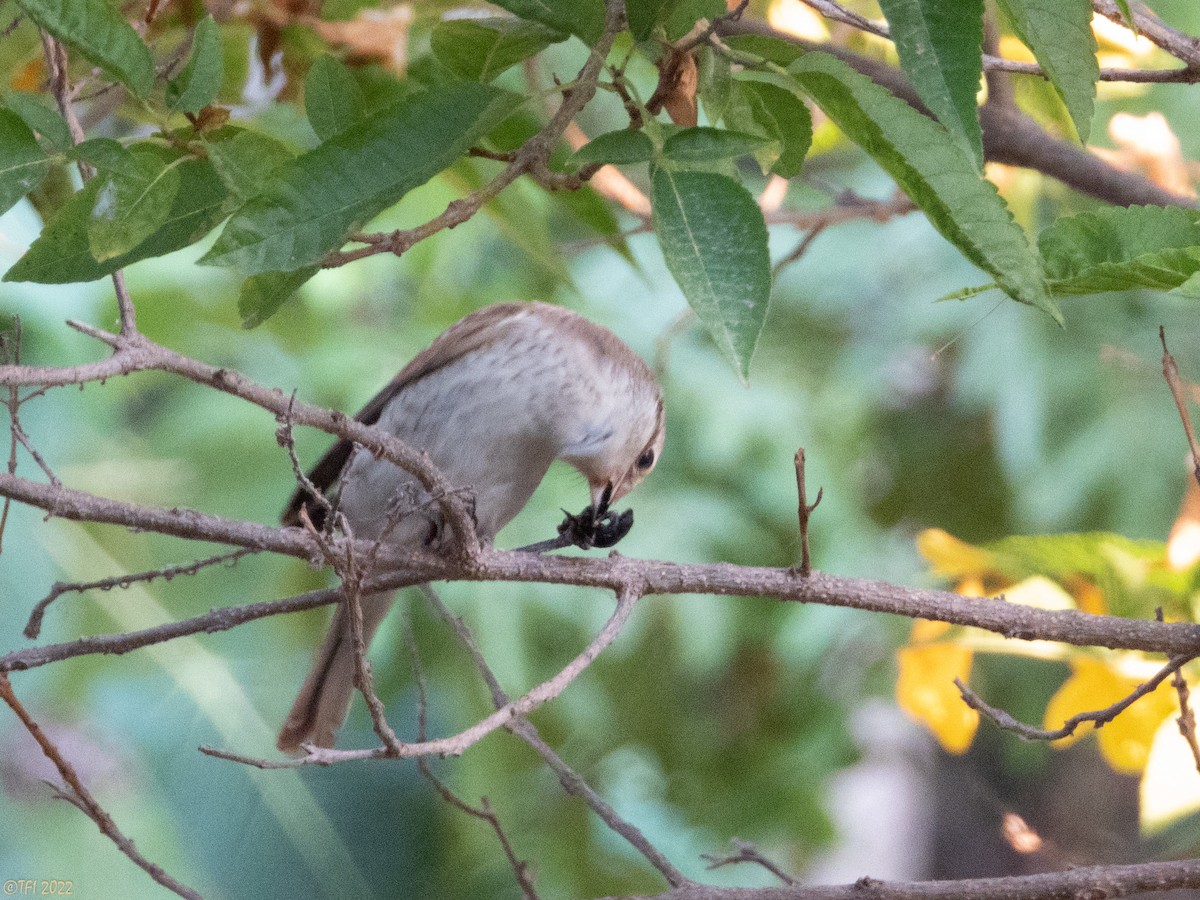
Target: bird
493	401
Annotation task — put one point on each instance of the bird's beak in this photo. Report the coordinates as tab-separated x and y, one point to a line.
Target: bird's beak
602	496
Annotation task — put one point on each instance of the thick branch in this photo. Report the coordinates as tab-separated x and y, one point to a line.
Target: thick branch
616	573
1089	881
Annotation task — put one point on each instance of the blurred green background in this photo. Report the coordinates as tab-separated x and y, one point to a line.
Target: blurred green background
710	718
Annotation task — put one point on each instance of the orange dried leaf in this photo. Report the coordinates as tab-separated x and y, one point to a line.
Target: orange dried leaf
379	35
925	690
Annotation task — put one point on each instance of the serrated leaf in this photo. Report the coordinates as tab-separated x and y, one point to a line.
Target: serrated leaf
60	255
23	164
940	43
197	85
1122	249
703	144
1059	32
97	30
333	100
765	108
714	241
933	169
131	206
262	295
584	18
43	120
643	15
480	49
619	148
246	160
313	202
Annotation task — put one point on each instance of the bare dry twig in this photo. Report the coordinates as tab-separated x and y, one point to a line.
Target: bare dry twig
456	744
573	783
34	626
1186	720
1097	717
747	853
484	811
82	798
1175	383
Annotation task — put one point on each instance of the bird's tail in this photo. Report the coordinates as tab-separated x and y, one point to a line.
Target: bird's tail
323	701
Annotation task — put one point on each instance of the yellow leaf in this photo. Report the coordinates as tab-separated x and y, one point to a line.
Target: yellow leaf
1093	685
926	630
950	557
925	690
1170	785
1041	592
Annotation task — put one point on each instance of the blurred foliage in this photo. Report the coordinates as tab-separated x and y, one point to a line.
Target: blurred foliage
710	717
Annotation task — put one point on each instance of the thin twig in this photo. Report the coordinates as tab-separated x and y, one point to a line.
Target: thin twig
457	744
1096	717
82	798
531	159
484	811
1183	47
799	250
804	511
573	783
1175	383
746	853
1187	718
34	626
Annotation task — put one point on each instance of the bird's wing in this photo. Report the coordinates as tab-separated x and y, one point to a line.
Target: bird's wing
471	333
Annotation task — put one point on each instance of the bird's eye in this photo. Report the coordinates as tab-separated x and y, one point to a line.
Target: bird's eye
646	460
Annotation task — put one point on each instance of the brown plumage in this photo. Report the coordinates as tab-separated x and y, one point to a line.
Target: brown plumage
493	400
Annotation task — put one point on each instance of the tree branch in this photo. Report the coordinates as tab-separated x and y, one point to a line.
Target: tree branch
1009	136
1087	881
82	798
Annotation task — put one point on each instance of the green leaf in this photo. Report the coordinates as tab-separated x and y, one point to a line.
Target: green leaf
131	206
45	121
1123	249
97	30
700	145
687	13
714	241
619	148
23	164
643	15
776	113
332	99
584	18
103	154
312	203
246	160
782	53
480	49
1059	32
934	170
715	83
262	295
61	255
197	85
941	50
